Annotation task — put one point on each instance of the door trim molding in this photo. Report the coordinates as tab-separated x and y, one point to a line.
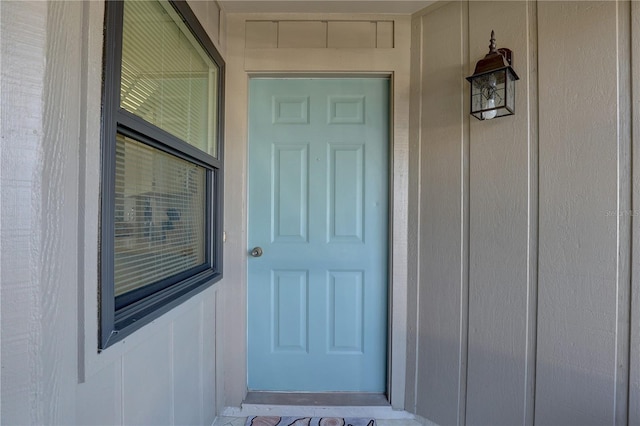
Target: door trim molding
396	303
243	64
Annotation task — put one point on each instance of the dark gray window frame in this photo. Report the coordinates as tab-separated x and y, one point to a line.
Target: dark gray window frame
119	318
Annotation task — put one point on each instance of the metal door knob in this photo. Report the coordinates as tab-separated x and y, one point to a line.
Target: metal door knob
256	252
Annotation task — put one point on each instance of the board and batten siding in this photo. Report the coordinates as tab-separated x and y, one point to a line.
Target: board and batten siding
50	98
527	291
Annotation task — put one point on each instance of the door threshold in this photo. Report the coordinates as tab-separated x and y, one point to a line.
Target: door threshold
335	399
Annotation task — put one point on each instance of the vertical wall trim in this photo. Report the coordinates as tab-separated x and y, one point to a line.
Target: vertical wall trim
623	217
465	180
419	209
82	187
533	219
232	297
415	173
55	254
218	389
222	30
172	371
398	261
121	390
201	353
634	370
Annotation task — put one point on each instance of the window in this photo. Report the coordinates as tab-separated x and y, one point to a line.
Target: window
161	205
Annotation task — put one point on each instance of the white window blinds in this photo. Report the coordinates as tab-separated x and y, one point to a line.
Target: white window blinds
159	215
167	78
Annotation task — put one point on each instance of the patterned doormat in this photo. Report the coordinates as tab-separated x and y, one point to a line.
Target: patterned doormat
309	421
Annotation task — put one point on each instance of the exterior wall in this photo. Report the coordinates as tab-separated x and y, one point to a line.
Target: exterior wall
244	61
165	373
527	280
528	290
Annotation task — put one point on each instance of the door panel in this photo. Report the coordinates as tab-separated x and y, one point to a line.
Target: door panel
318	196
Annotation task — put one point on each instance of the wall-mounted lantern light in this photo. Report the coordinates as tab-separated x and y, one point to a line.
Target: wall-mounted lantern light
493	84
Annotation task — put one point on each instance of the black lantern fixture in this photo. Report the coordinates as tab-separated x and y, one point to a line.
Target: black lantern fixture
493	84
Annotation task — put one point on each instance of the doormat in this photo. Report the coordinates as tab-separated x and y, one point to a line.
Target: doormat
309	421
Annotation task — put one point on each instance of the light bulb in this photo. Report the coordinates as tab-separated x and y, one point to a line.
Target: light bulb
488	115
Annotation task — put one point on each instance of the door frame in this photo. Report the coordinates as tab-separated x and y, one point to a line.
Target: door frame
390	201
395	63
395	347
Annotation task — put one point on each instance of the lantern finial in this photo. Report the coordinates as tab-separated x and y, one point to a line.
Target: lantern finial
492	45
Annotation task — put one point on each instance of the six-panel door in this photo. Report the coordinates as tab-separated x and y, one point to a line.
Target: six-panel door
318	209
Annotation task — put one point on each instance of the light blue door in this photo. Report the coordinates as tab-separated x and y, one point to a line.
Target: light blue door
318	209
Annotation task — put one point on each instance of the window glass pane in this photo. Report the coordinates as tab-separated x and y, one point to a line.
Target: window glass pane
159	215
167	78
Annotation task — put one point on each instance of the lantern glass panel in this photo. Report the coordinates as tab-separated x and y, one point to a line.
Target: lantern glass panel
511	92
489	94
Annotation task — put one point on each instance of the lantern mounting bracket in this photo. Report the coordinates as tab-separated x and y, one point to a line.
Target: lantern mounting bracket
506	54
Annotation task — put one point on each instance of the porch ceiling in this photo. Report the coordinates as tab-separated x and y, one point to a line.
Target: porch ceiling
402	7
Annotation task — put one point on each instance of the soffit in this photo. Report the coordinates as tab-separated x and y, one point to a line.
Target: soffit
401	7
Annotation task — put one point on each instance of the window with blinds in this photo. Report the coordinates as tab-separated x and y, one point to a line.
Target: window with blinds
167	78
159	215
161	201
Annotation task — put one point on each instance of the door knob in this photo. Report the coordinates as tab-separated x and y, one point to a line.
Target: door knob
256	252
